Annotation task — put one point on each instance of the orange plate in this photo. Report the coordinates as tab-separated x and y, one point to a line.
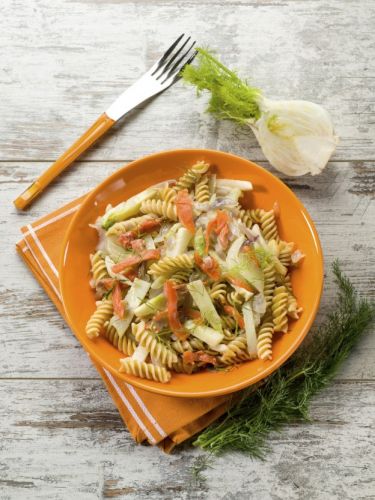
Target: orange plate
294	223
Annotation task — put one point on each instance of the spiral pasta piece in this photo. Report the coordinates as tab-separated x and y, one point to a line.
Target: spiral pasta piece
181	276
285	253
294	310
237	351
202	190
190	177
128	225
256	214
269	283
228	335
235	299
280	309
264	340
157	350
284	280
245	217
103	313
164	208
218	291
98	267
268	226
124	344
167	194
228	322
144	370
169	265
192	344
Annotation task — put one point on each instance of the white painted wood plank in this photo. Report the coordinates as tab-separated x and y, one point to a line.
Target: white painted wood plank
64	63
37	343
74	444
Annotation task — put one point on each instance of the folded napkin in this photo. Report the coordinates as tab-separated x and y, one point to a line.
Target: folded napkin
162	420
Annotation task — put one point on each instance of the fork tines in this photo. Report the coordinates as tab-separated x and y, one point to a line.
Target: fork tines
172	62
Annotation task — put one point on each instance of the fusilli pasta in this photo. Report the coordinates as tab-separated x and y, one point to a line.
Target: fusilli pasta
264	340
218	291
268	226
164	208
167	194
190	177
124	344
202	191
269	283
156	348
103	313
144	370
170	265
236	351
280	309
98	267
285	253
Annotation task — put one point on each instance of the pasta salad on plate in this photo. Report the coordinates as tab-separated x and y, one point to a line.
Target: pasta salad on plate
186	278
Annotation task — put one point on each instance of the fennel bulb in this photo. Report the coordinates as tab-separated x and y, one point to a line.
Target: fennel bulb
297	137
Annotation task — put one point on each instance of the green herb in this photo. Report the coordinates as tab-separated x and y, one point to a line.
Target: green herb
200	464
107	294
286	394
264	257
231	98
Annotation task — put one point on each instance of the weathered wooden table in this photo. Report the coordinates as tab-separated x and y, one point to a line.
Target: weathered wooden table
62	62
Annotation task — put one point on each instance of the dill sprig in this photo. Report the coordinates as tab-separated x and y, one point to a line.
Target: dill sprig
200	464
285	396
231	98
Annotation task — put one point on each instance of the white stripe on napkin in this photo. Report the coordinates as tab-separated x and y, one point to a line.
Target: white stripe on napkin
53	219
43	271
44	253
129	407
146	411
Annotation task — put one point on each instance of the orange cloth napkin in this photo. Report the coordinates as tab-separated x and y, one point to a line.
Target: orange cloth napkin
162	420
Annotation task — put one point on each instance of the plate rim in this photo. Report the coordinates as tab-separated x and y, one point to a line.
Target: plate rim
160	388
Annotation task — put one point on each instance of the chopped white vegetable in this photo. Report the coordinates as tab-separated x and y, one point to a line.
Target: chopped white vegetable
159	282
109	264
149	242
233	251
180	243
151	306
260	240
234	184
251	337
203	301
220	348
140	354
243	292
204	333
126	209
132	300
115	251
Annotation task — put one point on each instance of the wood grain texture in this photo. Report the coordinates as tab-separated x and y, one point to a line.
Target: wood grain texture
90	454
62	64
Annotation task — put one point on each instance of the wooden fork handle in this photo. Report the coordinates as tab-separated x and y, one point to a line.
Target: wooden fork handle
99	128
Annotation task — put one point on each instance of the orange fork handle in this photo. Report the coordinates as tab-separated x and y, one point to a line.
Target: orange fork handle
99	128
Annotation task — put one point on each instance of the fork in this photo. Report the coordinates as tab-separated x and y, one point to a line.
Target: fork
164	73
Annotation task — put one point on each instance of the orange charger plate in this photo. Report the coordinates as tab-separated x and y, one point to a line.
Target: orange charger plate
294	224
